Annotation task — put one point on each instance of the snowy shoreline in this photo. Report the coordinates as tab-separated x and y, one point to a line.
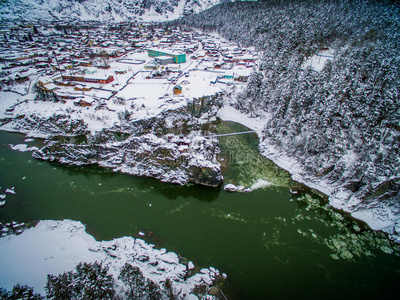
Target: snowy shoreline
54	247
379	218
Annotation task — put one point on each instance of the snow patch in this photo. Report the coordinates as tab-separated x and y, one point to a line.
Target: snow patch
229	113
318	60
23	148
230	187
260	183
11	191
54	247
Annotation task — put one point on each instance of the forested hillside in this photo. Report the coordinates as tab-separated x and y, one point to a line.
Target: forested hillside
95	10
342	124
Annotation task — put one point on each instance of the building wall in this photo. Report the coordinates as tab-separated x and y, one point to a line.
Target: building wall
178	58
80	78
165	61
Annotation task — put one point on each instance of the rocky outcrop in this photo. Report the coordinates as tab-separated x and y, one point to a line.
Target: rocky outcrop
45	127
174	159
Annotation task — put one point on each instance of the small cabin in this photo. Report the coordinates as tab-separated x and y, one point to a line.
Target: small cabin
21	79
177	89
85	63
82	103
82	88
152	65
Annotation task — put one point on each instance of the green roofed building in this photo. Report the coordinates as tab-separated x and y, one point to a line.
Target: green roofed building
179	57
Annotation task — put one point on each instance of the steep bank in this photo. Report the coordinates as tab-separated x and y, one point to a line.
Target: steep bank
337	123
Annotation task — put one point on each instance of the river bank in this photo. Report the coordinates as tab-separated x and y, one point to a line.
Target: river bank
59	246
378	215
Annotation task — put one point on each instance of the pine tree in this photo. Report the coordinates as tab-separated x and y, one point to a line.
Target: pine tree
20	292
133	278
88	281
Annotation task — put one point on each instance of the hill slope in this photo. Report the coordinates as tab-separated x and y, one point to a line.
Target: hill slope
96	10
339	122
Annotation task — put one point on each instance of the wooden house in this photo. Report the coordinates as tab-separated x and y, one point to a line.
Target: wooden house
177	89
95	79
82	88
82	103
21	79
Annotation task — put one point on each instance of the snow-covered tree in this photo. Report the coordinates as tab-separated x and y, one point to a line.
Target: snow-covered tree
88	281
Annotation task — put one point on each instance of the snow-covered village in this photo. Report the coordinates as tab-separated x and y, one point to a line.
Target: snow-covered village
105	81
142	70
199	149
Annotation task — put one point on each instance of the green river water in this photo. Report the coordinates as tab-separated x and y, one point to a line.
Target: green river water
271	243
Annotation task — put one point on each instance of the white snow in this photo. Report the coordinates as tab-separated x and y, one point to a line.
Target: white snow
53	247
50	248
368	217
318	60
190	265
229	113
11	191
23	148
260	183
230	187
191	297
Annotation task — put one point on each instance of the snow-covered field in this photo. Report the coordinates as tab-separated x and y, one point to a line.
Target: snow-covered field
54	247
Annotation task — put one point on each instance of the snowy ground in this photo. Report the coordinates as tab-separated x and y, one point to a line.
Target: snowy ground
53	247
318	60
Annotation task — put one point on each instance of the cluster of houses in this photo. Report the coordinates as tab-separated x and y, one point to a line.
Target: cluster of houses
88	62
54	48
209	52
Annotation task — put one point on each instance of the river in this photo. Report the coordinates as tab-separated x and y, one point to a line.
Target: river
271	242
